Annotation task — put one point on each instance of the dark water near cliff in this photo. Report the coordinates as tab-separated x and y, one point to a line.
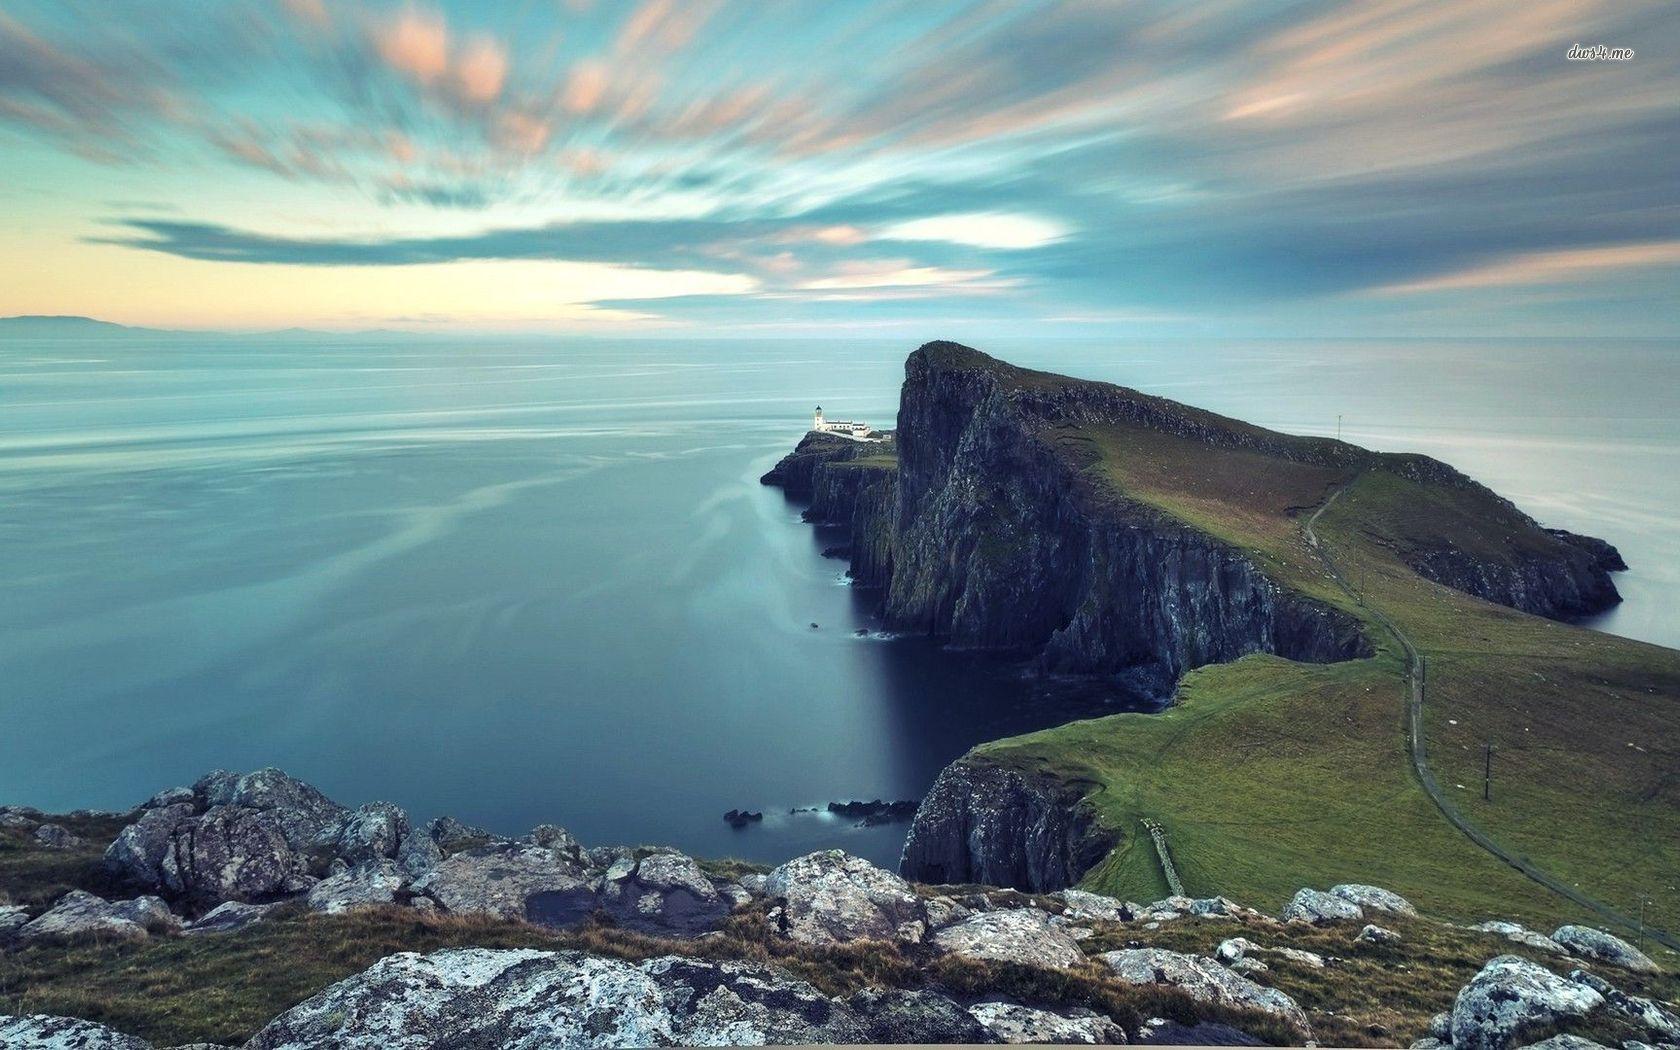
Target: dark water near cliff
521	582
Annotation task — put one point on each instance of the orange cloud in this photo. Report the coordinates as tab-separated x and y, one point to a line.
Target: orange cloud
481	70
585	87
1548	268
415	43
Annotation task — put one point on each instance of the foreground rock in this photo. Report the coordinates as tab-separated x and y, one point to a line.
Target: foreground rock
1374	898
511	881
1512	998
1201	979
471	998
1596	944
1025	936
1014	1023
832	897
81	914
664	893
43	1032
365	886
228	917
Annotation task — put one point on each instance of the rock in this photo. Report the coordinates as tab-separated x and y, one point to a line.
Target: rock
1373	934
79	913
1429	1042
1661	1023
169	797
1518	935
1566	1042
1309	959
1202	979
228	916
1238	949
1234	948
901	1017
369	833
55	836
1025	936
754	883
1158	1031
452	836
479	998
832	897
13	918
1079	904
512	881
999	827
44	1032
558	839
1374	898
1604	947
1511	997
364	886
418	852
1249	964
1014	1023
1440	1027
1318	907
665	894
1214	907
943	911
300	810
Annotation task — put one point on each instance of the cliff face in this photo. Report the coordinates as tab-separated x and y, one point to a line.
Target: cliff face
796	472
999	542
986	824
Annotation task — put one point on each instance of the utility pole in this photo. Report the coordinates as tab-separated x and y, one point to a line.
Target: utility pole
1643	900
1338	426
1487	772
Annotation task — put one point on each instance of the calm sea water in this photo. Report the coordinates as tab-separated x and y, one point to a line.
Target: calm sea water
525	582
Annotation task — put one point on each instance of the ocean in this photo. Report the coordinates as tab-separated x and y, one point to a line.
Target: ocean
520	581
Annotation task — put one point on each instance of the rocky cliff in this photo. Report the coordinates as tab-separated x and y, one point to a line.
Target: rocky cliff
999	525
986	824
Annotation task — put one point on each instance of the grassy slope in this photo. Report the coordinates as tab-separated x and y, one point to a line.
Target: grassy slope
1271	775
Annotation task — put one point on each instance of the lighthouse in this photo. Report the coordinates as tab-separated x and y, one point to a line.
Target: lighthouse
817	424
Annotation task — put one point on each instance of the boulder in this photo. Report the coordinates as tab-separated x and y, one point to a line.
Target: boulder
368	833
480	998
832	897
1014	1023
1078	904
364	886
1658	1021
1518	935
231	853
899	1017
452	836
554	837
169	797
300	810
1566	1042
510	880
1604	947
56	836
418	852
227	917
44	1032
1025	936
1374	898
1374	934
1318	907
13	918
1158	1031
664	894
79	913
1511	998
1202	979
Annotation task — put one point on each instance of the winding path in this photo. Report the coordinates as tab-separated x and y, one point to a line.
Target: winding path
1416	678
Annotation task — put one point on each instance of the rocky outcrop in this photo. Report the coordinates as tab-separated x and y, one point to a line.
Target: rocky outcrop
795	474
1201	979
1014	1023
478	998
1024	936
228	917
81	914
1603	947
45	1032
1316	906
664	893
1568	581
1374	898
511	880
989	824
1512	1000
831	897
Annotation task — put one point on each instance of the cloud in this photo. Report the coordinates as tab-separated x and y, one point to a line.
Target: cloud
983	230
481	70
415	43
1555	267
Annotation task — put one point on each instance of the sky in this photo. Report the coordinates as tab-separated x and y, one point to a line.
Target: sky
902	168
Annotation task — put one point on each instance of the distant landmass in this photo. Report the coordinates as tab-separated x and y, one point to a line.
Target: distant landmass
69	326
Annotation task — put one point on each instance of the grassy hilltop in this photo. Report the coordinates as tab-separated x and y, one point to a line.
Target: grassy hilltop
1269	775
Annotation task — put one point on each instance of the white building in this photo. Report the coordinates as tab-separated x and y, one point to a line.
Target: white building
843	427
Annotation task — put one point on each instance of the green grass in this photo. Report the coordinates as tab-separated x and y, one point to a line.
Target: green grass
1271	775
35	876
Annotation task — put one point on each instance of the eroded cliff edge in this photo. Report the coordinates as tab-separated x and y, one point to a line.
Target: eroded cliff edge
995	523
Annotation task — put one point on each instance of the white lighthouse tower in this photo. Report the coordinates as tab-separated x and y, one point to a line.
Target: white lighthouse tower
817	424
